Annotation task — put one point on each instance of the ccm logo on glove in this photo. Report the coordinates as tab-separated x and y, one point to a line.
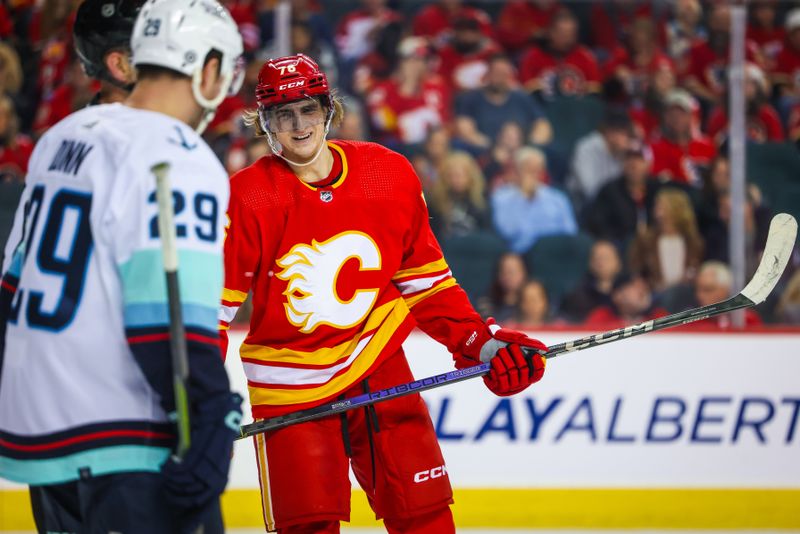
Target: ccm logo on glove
424	476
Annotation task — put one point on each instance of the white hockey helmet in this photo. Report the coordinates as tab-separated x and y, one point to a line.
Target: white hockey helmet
179	34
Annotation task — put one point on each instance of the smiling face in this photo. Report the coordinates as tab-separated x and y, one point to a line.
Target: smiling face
299	127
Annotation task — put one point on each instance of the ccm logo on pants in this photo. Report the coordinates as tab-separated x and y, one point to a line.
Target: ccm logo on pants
424	476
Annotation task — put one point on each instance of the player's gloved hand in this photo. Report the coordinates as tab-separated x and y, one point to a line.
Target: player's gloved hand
512	369
203	472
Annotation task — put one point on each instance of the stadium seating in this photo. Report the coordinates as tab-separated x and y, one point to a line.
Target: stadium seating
472	258
775	168
559	262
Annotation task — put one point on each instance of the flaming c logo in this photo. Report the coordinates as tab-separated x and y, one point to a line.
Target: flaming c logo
312	270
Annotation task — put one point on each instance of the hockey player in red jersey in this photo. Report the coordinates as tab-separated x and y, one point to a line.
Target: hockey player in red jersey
332	239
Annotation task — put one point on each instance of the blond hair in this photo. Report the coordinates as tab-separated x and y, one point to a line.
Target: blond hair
681	212
7	106
251	119
11	73
441	199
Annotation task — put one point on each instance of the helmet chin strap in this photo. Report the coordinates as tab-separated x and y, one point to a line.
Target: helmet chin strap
209	105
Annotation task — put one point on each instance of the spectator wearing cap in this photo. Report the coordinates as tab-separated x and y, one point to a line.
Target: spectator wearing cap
435	21
527	209
764	30
631	303
599	156
464	59
594	291
681	152
761	120
713	284
481	113
631	66
624	205
683	30
786	72
562	66
669	251
404	108
522	23
708	60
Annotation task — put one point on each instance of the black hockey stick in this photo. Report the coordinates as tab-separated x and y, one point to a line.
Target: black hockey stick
177	334
778	249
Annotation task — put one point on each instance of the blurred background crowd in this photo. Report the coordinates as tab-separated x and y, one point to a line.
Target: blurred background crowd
573	154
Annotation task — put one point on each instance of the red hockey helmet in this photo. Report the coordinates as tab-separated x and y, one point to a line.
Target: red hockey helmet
290	78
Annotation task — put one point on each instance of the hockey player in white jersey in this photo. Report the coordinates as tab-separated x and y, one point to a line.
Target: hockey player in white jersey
85	373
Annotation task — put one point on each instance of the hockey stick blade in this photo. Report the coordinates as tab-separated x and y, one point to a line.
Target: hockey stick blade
777	251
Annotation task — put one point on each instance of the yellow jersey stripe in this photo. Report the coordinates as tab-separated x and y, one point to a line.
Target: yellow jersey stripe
232	295
432	267
322	356
284	397
416	299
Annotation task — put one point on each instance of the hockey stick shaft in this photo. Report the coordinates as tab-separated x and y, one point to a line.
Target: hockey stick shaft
177	334
780	242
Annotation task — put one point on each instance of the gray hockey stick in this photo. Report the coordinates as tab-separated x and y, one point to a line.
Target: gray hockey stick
777	251
177	333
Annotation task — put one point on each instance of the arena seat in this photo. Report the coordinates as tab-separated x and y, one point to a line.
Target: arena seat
559	262
472	259
775	168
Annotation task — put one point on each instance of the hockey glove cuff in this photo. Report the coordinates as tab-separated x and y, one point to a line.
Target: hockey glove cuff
203	473
512	370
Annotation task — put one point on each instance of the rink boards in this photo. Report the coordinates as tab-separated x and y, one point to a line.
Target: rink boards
665	430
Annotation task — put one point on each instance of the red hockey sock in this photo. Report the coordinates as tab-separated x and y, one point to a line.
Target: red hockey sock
436	522
319	527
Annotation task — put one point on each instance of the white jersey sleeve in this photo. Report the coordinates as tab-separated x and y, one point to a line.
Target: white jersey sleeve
85	374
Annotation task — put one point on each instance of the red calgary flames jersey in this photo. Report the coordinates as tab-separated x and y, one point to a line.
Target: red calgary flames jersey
339	275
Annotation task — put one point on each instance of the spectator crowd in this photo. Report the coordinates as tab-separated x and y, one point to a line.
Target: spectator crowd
602	124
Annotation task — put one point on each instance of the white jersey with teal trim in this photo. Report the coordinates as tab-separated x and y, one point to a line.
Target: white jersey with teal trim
84	270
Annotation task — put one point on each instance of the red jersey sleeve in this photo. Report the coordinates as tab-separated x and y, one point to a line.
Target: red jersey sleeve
440	307
241	256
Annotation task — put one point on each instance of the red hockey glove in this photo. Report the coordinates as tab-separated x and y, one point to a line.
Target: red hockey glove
512	369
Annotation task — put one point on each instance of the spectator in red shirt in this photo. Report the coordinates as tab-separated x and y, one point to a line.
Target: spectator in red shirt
357	30
464	60
612	21
762	121
683	30
708	60
714	284
631	303
563	66
76	92
50	32
633	65
646	113
435	21
406	107
15	148
763	29
524	22
681	152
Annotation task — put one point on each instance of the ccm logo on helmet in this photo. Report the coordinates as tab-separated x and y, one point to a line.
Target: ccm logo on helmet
292	85
424	476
